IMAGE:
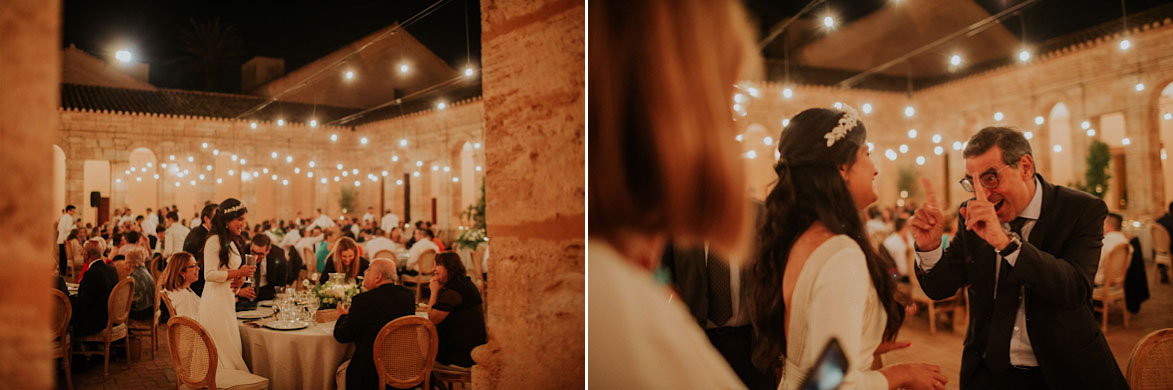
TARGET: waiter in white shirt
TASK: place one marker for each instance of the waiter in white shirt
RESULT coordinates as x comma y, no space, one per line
175,236
390,220
64,226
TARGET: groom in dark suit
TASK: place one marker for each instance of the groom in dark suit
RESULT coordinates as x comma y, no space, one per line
1027,251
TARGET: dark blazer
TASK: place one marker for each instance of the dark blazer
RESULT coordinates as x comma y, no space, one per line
93,294
1053,273
296,264
690,275
276,273
194,244
369,312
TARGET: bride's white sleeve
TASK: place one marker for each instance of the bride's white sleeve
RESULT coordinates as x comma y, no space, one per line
837,305
212,271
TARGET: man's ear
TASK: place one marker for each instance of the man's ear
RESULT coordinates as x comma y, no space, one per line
1028,164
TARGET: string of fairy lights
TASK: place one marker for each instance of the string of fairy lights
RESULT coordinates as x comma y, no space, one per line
747,92
178,170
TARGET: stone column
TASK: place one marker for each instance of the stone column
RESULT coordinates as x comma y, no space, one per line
533,68
30,73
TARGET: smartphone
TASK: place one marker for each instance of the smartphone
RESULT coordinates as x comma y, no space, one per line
829,369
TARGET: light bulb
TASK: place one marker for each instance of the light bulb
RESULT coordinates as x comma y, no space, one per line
936,138
1057,148
938,150
787,93
313,123
1028,134
253,125
333,137
1125,44
280,122
867,108
828,21
890,154
1023,55
1039,120
955,60
920,160
912,133
909,111
998,116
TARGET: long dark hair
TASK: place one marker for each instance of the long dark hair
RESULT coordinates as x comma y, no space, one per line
228,210
809,189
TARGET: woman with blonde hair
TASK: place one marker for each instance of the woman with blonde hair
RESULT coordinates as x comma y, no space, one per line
663,165
346,257
175,282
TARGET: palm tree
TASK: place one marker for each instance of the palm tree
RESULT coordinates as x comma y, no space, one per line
209,48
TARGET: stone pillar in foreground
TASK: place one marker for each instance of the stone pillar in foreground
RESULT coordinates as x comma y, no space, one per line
30,71
534,98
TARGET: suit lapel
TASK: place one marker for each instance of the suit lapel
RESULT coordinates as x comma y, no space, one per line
1038,233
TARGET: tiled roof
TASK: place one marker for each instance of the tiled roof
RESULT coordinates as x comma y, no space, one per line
192,103
422,102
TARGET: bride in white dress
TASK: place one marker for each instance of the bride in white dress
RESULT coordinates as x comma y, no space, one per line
818,277
222,265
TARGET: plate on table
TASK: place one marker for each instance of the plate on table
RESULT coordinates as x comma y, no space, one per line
266,303
254,314
287,325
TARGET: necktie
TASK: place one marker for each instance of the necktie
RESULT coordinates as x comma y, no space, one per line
720,306
1005,311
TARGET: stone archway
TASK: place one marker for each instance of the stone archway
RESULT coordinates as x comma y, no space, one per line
1164,128
1058,122
142,181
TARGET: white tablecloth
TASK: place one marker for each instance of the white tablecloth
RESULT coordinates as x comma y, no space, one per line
295,359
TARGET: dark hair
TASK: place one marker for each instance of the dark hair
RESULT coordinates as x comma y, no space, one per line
69,208
208,212
138,218
429,233
809,189
899,224
451,262
160,229
1170,207
220,226
132,237
1013,144
262,240
174,216
1115,221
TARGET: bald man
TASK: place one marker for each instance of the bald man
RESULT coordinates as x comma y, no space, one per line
383,302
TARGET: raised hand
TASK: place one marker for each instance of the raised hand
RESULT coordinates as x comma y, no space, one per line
928,225
982,219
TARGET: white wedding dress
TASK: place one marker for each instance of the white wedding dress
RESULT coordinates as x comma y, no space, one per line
218,305
834,297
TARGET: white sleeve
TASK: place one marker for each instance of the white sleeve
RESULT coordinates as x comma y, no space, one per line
212,271
836,309
926,260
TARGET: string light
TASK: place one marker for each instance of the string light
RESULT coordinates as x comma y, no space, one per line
998,116
310,174
242,161
265,171
890,154
956,145
786,122
1126,141
867,108
912,133
205,145
339,166
955,60
280,122
419,163
354,171
920,160
190,159
363,140
478,144
297,170
171,157
403,68
399,182
285,182
435,168
768,140
384,173
119,180
313,123
903,148
1139,87
787,93
828,21
1085,125
219,181
350,75
1125,44
216,152
403,142
231,173
208,167
441,105
253,125
447,169
274,177
1023,55
753,91
478,168
394,158
1039,120
323,180
468,72
909,111
838,105
938,150
936,138
871,147
1028,134
288,159
312,163
416,173
333,137
1057,148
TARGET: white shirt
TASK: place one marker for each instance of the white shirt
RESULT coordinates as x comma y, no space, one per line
1111,240
291,238
1021,352
379,244
323,221
413,255
876,226
368,217
64,226
195,222
150,223
898,249
174,237
389,221
307,243
185,302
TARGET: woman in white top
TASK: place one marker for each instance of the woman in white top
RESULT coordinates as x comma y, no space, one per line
818,276
663,165
183,270
222,267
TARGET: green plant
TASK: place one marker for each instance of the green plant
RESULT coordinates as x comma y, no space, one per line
906,181
475,234
1096,178
347,198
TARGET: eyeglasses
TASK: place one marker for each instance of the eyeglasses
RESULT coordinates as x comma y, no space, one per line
190,267
988,180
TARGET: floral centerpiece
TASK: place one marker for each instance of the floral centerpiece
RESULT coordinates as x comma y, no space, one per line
333,292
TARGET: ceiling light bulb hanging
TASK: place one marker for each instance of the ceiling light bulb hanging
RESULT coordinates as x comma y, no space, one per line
1023,55
955,60
1125,44
909,111
828,21
280,122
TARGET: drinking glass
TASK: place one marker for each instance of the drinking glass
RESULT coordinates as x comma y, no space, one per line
249,260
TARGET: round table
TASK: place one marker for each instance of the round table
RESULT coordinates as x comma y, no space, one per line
295,359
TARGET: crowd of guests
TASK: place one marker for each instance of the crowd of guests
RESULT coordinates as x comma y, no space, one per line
201,274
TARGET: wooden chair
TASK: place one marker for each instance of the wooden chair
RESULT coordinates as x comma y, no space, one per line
144,328
61,347
451,375
405,351
117,311
1161,253
1112,291
957,304
427,267
194,355
167,303
1151,364
310,260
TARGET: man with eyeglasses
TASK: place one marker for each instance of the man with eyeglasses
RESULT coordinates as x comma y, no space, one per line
1027,251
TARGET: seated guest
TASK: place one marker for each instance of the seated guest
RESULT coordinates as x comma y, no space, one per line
382,302
423,242
379,242
345,259
129,240
456,309
1112,238
295,266
183,270
93,294
324,249
419,225
142,306
396,235
273,270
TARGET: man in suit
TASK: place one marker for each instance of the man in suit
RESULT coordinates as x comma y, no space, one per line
719,300
93,294
1027,250
273,271
194,243
359,323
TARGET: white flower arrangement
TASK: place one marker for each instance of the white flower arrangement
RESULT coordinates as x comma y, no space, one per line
849,120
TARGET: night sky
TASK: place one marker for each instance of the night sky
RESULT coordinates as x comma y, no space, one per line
298,31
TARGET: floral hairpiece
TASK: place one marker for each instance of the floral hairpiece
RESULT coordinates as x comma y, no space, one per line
241,207
849,120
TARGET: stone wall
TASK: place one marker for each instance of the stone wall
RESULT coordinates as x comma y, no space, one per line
28,123
534,60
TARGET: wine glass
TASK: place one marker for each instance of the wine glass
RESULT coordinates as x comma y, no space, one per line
249,259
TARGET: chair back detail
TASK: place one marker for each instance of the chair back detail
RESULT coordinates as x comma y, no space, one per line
405,351
427,262
63,310
384,254
192,352
1116,266
167,302
1151,363
1160,240
118,307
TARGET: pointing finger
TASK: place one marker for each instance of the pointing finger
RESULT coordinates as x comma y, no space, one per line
980,192
930,196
